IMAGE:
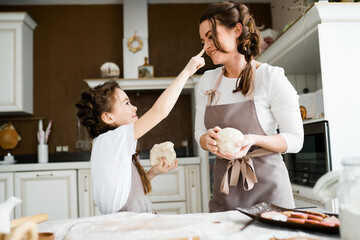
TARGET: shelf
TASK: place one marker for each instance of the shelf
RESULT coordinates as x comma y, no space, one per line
297,49
314,120
144,83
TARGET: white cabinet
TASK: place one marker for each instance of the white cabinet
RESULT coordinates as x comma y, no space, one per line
324,43
51,192
169,187
87,206
177,191
16,63
6,186
193,193
304,197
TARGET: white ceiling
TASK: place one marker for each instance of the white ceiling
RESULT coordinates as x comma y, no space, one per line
87,2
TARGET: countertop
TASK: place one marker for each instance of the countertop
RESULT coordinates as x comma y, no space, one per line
127,225
71,165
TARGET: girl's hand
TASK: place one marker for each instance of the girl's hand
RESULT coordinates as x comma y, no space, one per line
195,63
245,145
162,167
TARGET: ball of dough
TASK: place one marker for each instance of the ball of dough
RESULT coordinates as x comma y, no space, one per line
228,139
165,149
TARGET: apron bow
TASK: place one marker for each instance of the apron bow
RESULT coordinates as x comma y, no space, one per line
246,167
211,93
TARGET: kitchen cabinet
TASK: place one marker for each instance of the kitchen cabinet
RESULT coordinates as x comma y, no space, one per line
323,43
51,192
304,197
193,199
6,188
64,190
87,207
169,187
16,63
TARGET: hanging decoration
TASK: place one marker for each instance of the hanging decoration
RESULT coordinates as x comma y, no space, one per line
132,40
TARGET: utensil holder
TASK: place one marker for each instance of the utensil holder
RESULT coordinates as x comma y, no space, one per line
43,153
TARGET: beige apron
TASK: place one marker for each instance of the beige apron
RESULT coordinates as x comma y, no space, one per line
260,176
137,200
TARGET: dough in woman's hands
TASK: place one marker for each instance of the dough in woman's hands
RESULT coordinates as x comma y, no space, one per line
165,149
228,139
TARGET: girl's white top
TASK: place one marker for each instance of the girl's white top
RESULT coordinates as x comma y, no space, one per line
276,103
111,159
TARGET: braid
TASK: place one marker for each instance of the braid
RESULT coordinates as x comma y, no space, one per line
144,179
248,46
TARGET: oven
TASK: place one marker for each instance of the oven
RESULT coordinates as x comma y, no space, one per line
313,161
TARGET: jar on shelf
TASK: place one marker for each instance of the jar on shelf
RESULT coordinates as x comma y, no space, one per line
348,195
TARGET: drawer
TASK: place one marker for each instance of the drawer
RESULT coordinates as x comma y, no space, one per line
169,186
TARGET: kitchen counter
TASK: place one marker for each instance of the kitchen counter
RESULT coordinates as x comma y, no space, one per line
126,225
76,165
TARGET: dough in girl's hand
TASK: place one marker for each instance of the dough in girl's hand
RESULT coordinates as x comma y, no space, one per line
228,139
165,149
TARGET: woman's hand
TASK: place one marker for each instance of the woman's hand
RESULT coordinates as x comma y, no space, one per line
245,145
210,140
195,63
162,167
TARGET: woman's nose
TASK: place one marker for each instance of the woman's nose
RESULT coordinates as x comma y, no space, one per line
207,45
135,109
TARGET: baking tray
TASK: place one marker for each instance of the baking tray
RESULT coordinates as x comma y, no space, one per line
255,211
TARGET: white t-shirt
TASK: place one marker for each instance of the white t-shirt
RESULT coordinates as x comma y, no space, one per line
276,102
111,159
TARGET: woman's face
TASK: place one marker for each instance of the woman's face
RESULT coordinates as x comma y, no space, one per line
226,39
123,112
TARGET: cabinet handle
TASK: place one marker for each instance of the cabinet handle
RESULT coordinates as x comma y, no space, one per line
45,175
296,192
85,183
192,179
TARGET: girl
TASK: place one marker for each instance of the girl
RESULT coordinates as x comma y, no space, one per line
119,181
253,97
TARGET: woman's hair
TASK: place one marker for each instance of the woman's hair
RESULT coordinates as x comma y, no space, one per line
94,102
228,14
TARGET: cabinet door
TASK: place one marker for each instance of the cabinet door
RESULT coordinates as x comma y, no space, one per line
304,197
193,198
51,192
87,206
16,64
304,202
6,186
169,186
170,208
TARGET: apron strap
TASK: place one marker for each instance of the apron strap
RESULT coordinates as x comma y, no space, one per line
214,92
246,167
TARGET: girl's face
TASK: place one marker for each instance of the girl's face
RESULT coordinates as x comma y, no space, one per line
122,111
227,40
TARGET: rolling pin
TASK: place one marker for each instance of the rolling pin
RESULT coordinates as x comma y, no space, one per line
35,218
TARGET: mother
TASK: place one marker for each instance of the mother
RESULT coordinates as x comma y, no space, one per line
255,98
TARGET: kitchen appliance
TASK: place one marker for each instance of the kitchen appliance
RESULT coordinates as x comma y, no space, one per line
314,159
